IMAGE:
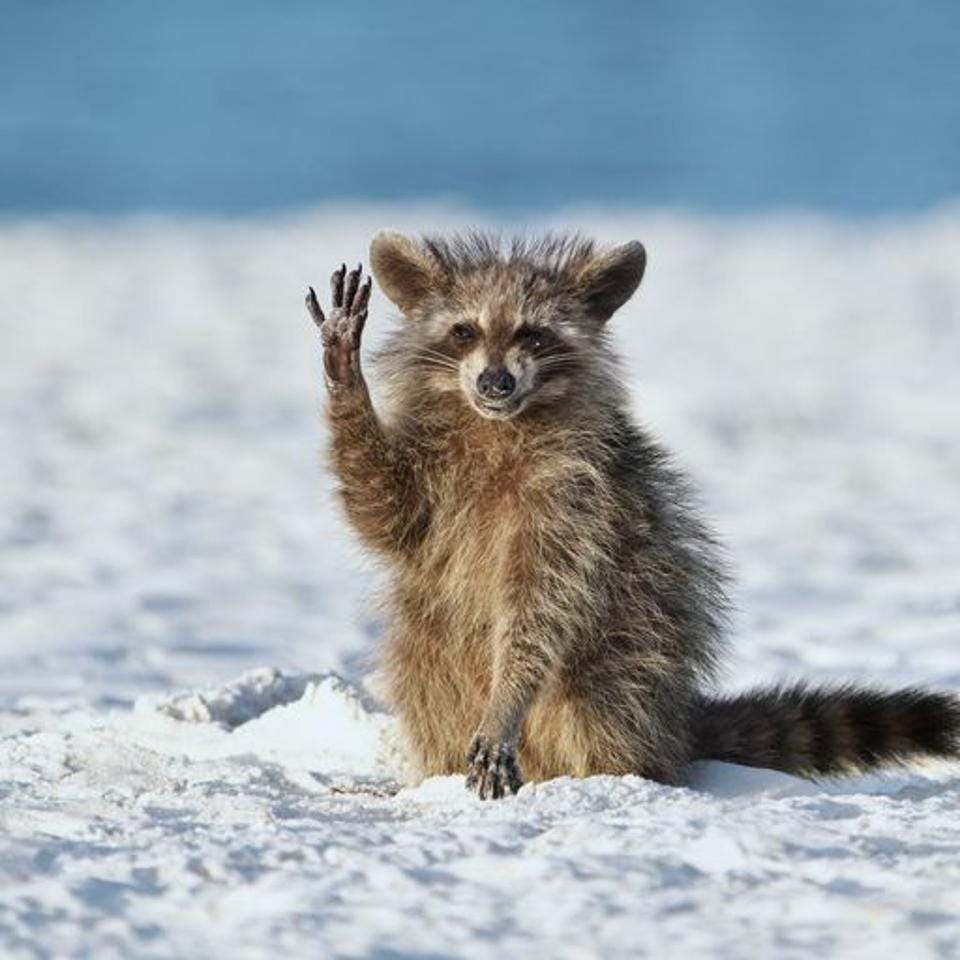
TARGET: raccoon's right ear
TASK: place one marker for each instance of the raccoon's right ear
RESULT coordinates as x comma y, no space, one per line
609,280
403,269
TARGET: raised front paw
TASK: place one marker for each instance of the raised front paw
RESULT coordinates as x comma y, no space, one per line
492,768
342,329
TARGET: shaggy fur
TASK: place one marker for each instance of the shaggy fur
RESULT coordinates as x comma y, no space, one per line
557,606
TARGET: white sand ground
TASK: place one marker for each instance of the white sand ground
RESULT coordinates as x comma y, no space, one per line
165,528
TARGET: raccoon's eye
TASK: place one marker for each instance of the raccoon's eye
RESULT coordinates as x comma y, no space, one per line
530,337
462,332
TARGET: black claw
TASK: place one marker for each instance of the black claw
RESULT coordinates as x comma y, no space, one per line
353,282
336,285
363,297
313,306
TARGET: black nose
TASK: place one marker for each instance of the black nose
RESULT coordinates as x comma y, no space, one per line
495,383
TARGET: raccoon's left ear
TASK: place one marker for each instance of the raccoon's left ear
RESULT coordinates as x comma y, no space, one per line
403,270
609,280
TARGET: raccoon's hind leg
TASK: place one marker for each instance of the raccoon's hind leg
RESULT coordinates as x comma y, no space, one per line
604,726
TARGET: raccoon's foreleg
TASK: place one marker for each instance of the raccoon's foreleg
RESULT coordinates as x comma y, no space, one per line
342,330
551,599
376,475
519,671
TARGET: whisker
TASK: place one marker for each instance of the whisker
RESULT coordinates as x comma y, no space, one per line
552,363
436,360
422,348
435,353
558,355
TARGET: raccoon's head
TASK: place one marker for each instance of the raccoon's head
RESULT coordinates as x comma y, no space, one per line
507,329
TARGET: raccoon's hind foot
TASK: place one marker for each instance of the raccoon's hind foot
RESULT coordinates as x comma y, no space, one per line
492,768
342,329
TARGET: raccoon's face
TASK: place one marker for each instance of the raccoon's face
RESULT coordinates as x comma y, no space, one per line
507,333
504,355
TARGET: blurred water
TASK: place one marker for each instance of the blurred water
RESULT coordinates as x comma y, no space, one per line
115,105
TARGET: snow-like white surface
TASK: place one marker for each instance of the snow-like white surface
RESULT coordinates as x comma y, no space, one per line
184,773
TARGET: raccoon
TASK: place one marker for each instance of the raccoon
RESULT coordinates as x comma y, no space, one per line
557,605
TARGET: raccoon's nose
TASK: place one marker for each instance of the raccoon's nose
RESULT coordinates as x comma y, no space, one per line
495,383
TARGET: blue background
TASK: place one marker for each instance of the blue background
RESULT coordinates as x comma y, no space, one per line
232,107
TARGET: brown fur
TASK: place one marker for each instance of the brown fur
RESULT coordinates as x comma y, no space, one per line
553,591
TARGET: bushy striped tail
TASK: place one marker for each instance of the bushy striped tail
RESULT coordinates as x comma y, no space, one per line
825,732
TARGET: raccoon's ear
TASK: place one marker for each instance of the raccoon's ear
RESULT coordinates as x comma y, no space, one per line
609,280
402,268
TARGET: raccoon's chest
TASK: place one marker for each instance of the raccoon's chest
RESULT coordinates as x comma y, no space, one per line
476,523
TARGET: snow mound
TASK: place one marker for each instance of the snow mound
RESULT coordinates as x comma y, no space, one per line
317,722
240,701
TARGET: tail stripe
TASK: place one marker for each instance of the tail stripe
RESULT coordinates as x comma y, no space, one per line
870,723
825,728
821,732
